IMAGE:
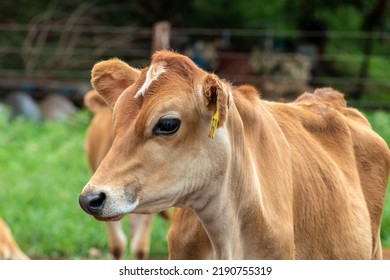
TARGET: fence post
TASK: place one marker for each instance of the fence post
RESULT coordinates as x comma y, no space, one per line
161,36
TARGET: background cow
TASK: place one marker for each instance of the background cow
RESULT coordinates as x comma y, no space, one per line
9,249
56,107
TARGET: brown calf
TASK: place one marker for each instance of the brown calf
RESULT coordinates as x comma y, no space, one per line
303,180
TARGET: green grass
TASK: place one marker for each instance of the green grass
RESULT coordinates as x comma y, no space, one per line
42,171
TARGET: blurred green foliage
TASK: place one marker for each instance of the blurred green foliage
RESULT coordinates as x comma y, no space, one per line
338,15
355,63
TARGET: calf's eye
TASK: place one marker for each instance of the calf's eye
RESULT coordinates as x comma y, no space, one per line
166,126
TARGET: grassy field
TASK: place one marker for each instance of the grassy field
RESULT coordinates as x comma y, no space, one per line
42,171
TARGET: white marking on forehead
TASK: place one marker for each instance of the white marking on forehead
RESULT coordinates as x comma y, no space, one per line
154,71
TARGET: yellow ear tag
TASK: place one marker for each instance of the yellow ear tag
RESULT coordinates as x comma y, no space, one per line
214,125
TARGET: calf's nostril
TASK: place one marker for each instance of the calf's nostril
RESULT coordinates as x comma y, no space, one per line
97,200
92,203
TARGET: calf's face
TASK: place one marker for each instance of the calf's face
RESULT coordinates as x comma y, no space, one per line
161,155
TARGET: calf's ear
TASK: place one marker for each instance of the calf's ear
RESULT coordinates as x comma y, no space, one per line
94,101
111,77
218,96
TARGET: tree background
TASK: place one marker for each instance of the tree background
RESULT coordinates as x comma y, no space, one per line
354,31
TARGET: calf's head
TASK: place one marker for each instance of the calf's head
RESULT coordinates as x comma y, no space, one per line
161,155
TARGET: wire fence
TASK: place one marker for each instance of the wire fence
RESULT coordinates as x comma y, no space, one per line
281,63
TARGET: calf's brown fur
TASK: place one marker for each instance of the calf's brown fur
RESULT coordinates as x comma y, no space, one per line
303,180
98,142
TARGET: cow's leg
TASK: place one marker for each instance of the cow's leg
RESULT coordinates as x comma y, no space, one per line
19,254
140,229
9,249
377,252
116,239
